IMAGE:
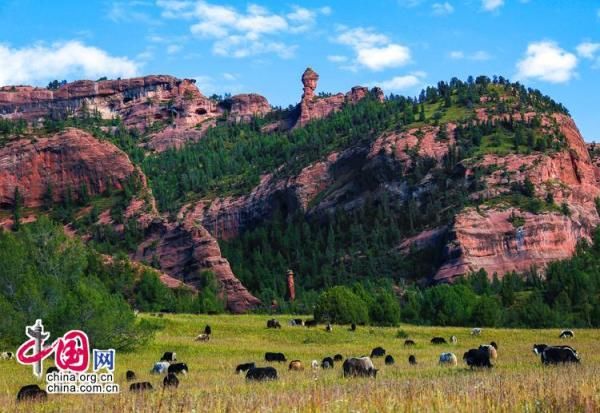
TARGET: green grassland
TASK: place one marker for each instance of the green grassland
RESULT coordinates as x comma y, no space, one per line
518,382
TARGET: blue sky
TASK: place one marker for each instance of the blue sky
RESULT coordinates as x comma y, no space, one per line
263,46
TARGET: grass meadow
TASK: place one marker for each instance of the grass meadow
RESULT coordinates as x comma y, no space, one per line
518,382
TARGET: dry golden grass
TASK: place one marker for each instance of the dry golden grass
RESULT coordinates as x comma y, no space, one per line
517,383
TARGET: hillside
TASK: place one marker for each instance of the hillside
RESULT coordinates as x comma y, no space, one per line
480,174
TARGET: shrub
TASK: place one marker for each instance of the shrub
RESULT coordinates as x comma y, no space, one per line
340,305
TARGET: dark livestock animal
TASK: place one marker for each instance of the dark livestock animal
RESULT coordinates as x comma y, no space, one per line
327,363
310,323
412,360
207,330
140,386
389,360
477,357
378,352
130,375
559,354
244,367
31,392
279,357
409,343
178,368
52,369
171,380
353,327
261,373
438,340
539,348
169,356
359,367
272,323
338,357
566,334
298,322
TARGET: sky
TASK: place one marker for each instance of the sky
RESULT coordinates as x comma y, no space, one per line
264,46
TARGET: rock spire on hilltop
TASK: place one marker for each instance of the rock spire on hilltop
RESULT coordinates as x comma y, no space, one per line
313,107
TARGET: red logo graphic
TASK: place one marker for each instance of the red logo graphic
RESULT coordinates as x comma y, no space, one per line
71,351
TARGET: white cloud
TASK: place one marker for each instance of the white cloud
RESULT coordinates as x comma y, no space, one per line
229,76
588,49
479,55
127,12
546,61
39,63
243,33
398,83
410,3
491,5
373,50
337,58
442,9
173,49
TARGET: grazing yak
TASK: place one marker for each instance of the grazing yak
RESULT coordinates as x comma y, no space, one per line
296,322
170,380
378,352
130,375
261,373
556,354
160,367
52,369
273,323
453,339
202,337
477,357
244,367
447,359
438,340
409,342
296,365
178,368
329,328
314,364
31,392
279,357
353,327
359,367
491,350
6,355
566,334
412,360
207,330
476,331
169,356
310,323
338,357
140,386
327,363
389,360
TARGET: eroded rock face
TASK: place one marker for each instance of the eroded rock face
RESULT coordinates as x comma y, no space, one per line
313,107
494,240
68,160
74,158
141,102
184,250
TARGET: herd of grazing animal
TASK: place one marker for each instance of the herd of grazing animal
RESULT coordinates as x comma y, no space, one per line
172,369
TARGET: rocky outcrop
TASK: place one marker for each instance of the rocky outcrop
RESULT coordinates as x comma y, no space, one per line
175,106
506,239
72,159
66,161
313,107
184,250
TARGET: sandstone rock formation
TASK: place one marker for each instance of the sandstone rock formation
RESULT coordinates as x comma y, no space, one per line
73,158
176,104
65,161
314,107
